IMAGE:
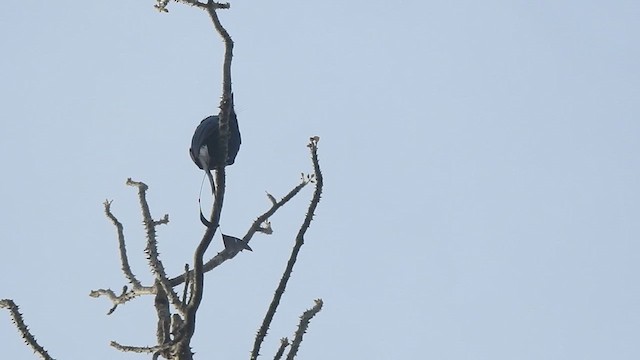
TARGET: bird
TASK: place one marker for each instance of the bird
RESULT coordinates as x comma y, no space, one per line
205,144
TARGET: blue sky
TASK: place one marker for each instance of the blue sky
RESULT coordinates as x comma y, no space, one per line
480,159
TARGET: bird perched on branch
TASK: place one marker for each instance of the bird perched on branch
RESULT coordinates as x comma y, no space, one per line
205,143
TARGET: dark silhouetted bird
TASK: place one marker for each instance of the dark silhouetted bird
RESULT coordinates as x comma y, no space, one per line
205,144
205,151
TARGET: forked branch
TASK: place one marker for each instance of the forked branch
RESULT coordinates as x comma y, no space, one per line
268,318
261,224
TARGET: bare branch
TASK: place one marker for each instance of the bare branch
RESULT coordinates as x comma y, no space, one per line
136,349
284,342
262,332
161,303
261,224
198,271
152,246
23,329
163,221
302,328
161,5
151,251
171,350
126,268
258,226
124,297
228,48
187,284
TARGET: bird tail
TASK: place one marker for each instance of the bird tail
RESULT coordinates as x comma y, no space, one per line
233,243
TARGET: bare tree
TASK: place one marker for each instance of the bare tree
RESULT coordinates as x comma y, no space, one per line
176,310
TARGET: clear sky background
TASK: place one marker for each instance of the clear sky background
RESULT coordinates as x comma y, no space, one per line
481,161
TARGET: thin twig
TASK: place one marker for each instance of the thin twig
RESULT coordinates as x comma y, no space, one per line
161,5
302,328
284,342
124,297
23,329
126,268
136,349
228,45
